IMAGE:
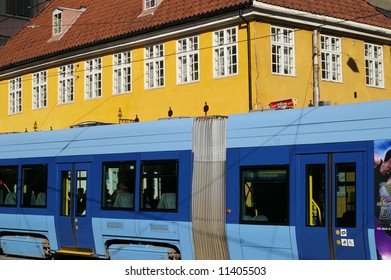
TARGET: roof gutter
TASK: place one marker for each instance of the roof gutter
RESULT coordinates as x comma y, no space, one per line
325,22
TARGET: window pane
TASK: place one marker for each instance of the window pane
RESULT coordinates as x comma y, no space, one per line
316,177
118,185
34,182
8,185
346,195
265,195
159,185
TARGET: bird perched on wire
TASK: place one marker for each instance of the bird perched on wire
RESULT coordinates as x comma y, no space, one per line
206,108
170,112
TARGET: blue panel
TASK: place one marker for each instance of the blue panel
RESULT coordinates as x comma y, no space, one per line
138,252
328,124
267,242
33,222
8,221
118,227
164,135
23,246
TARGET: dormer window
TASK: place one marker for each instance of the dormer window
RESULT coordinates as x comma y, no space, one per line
63,19
57,22
150,4
149,7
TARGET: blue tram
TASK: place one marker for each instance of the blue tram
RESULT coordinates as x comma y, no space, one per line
307,183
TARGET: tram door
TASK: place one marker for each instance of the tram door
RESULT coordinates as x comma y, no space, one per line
73,222
330,205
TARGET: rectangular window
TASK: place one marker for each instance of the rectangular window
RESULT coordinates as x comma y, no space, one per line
374,65
57,22
283,51
66,84
331,58
122,72
119,181
34,182
159,185
8,185
154,66
265,195
40,90
187,60
93,78
150,4
346,194
15,96
316,195
225,50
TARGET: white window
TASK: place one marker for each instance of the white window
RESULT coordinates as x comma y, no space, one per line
66,84
330,48
187,60
122,72
93,78
15,96
283,51
374,65
225,50
40,90
57,22
150,4
154,66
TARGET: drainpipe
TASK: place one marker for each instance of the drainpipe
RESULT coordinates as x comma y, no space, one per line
315,67
250,90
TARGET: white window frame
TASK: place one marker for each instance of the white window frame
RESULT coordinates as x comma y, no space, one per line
66,83
331,58
40,89
93,78
374,71
225,52
122,72
15,96
188,69
283,50
154,66
57,22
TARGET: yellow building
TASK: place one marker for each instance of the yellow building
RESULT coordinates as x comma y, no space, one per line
111,61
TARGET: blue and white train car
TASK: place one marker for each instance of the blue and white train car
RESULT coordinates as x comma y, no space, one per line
307,183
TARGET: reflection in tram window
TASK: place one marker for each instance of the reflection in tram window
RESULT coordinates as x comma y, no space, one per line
159,185
34,182
8,185
65,192
264,195
316,195
81,193
118,185
346,194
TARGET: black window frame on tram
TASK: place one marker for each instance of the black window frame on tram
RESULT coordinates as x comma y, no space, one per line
159,185
264,194
119,192
34,185
9,185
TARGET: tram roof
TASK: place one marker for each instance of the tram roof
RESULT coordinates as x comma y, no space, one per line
313,125
162,135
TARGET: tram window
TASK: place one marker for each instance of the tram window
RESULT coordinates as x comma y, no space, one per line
315,180
265,195
8,185
346,194
34,185
159,185
118,185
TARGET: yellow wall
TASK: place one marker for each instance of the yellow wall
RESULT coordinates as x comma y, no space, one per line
224,96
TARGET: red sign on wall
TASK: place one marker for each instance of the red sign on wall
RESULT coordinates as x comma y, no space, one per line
283,104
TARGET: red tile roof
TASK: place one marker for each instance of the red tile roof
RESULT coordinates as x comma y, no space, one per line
105,19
